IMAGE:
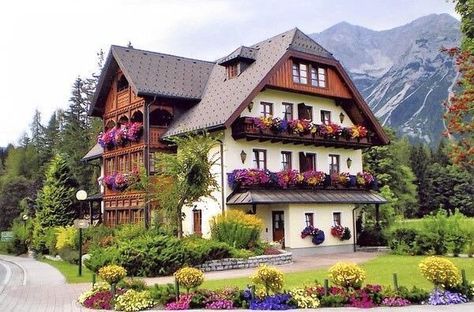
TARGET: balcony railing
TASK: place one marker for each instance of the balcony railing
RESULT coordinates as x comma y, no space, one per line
250,129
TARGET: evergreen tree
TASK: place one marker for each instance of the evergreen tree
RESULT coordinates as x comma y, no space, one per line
420,161
12,191
55,201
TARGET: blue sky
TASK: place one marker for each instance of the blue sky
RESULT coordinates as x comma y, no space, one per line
46,44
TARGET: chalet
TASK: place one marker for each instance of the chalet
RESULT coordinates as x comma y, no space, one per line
292,123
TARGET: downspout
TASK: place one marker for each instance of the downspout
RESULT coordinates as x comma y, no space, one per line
221,143
147,159
354,227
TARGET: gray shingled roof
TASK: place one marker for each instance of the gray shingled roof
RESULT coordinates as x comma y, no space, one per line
95,152
304,196
241,52
223,96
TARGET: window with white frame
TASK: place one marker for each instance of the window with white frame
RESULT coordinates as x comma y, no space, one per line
336,218
260,158
309,219
286,160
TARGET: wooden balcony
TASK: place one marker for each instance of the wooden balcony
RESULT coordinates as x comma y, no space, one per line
156,133
244,127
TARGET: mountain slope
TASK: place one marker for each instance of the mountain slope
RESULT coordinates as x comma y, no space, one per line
401,72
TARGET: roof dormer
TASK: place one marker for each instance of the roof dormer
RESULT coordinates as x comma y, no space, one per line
236,62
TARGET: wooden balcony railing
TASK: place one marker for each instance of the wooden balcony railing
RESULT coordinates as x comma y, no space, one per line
245,127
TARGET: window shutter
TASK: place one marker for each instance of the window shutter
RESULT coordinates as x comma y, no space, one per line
302,162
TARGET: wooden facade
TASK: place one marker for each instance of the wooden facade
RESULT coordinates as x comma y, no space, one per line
124,106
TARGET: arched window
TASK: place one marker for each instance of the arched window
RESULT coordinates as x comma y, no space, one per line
110,124
123,120
122,83
137,116
160,117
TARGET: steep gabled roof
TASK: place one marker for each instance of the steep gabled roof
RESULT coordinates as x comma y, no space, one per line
151,73
241,53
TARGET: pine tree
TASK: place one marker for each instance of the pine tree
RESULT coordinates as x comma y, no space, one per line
55,201
420,161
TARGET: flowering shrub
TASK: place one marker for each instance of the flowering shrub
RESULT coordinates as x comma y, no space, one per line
318,235
275,302
444,297
395,302
181,304
119,136
270,278
289,178
189,278
347,274
95,289
134,300
112,274
440,271
301,298
342,233
220,304
120,181
365,178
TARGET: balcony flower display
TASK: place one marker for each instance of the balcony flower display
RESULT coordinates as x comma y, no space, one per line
288,178
300,126
340,179
365,179
314,178
249,177
120,181
119,136
357,132
340,232
263,123
330,130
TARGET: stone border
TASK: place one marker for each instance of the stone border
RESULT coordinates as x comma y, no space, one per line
241,263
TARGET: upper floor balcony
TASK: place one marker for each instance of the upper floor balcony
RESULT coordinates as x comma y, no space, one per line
301,132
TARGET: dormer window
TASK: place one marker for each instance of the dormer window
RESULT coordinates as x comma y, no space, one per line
232,71
309,74
122,83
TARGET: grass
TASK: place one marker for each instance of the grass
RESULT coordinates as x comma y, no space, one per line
70,271
379,271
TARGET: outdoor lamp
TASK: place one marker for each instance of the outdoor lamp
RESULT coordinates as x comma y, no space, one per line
349,162
250,106
243,156
81,195
341,117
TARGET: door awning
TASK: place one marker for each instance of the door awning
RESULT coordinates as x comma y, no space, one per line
293,196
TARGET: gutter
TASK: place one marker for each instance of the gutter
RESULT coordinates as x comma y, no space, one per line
221,143
354,227
147,158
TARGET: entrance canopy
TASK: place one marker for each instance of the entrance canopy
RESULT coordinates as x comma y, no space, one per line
249,197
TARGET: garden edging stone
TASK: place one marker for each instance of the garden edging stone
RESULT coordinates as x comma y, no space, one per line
241,263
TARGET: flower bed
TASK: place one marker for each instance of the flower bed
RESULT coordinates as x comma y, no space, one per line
303,127
291,178
121,135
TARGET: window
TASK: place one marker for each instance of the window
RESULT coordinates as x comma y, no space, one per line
286,160
300,73
307,162
309,219
197,221
336,217
288,111
325,117
333,164
260,158
232,71
305,111
317,75
296,73
267,109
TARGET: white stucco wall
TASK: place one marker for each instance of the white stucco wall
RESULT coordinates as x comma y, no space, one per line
294,213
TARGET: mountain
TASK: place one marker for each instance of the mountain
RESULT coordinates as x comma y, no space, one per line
401,72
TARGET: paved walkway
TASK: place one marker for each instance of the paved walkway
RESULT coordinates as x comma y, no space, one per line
30,285
299,264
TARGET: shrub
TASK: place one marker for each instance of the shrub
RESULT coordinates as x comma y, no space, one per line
133,300
303,299
19,244
101,257
181,304
241,253
402,240
132,283
206,249
270,278
95,289
129,231
162,294
441,272
332,301
371,237
101,300
69,255
236,228
50,240
347,275
189,278
415,295
112,274
66,237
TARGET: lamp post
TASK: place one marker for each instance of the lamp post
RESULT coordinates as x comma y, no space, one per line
25,218
81,195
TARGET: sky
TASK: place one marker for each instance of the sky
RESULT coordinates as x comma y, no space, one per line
45,45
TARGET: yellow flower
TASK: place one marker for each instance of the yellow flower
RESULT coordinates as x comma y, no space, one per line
347,274
440,271
189,277
112,274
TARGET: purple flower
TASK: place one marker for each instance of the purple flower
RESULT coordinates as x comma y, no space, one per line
220,304
275,302
445,297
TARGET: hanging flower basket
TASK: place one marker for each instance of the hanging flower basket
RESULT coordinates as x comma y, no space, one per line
340,232
317,234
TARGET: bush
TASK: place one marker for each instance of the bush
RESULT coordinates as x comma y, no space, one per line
206,249
402,240
99,258
189,278
415,295
132,283
95,289
236,228
19,244
127,232
346,274
67,237
333,301
268,277
133,300
162,294
441,272
69,255
50,240
112,274
241,253
371,237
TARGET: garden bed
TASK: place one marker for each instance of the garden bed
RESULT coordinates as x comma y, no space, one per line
241,263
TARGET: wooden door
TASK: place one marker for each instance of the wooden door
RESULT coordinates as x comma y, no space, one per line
278,225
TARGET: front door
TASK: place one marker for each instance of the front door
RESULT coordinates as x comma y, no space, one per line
278,225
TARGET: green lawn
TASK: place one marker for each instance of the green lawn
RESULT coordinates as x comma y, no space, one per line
70,271
379,271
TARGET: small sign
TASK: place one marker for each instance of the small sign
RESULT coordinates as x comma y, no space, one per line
7,236
81,223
